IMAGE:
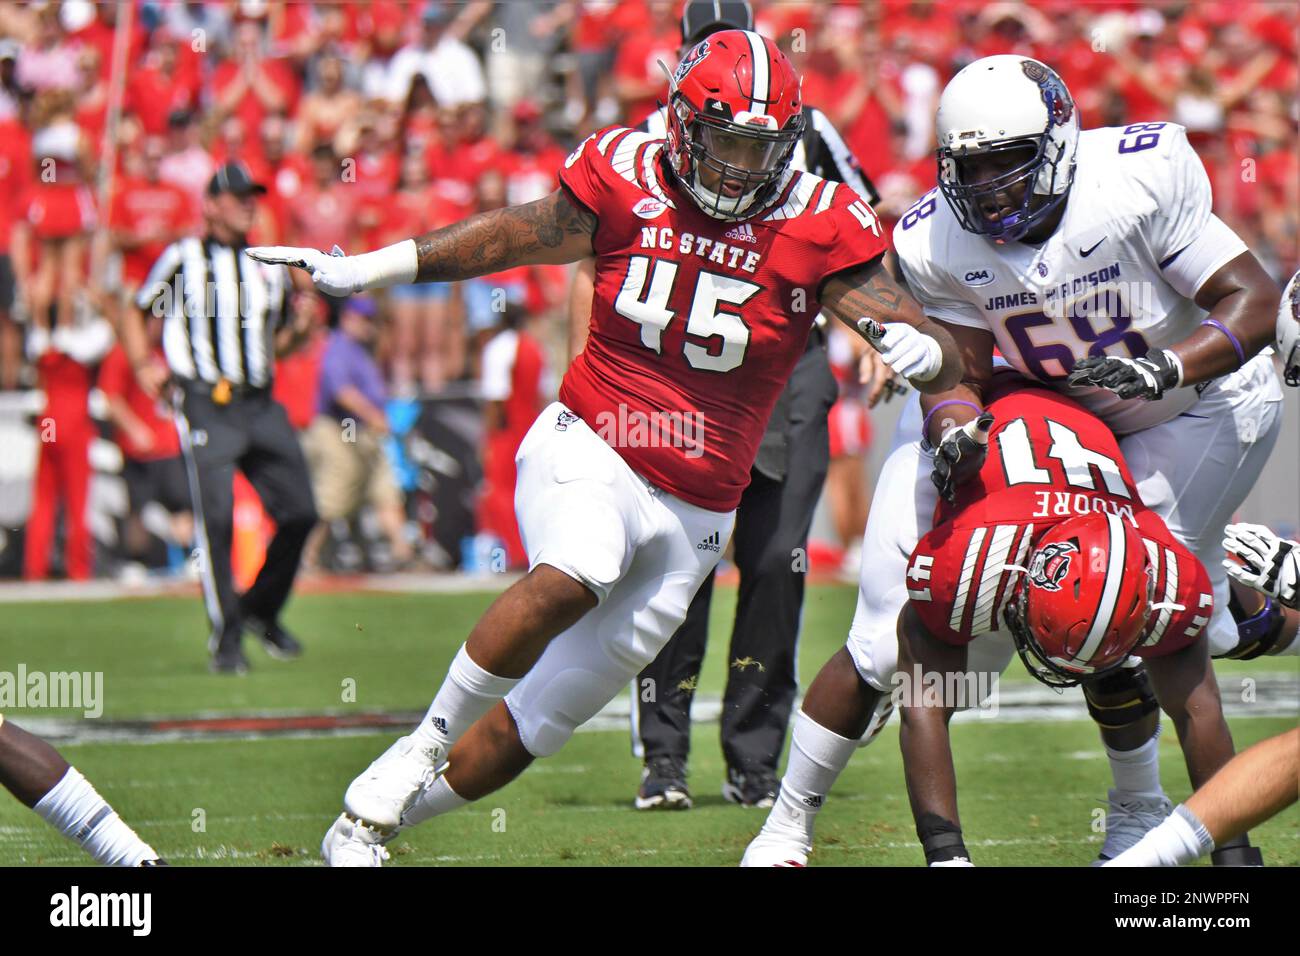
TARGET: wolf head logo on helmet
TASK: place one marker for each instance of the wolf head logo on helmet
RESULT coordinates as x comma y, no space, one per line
1085,601
735,113
1288,332
1050,564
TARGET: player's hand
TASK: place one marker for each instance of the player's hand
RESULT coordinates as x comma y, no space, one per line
961,454
1147,377
881,380
908,351
334,274
1266,562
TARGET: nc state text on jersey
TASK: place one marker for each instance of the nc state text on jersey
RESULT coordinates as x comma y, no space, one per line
721,253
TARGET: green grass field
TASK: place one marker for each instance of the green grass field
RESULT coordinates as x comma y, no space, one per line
1028,790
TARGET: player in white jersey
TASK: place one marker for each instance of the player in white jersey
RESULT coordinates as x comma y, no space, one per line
1088,259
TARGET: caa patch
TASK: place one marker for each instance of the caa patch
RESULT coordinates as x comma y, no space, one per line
1050,564
691,60
648,208
978,277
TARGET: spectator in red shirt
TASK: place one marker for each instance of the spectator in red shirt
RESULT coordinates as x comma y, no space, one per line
15,175
56,215
639,81
512,372
531,164
152,467
422,311
148,214
250,86
187,163
324,213
167,79
65,360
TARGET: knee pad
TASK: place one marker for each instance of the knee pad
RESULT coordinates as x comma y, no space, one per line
548,708
1257,633
1120,699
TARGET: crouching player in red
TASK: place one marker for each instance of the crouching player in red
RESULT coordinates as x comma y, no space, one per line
713,257
1048,551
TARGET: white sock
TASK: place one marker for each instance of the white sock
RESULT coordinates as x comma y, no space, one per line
1137,771
817,757
467,693
1178,840
435,801
76,810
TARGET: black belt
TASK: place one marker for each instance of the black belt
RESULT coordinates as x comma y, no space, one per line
224,390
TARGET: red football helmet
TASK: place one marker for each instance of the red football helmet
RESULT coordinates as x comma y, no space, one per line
735,113
1083,603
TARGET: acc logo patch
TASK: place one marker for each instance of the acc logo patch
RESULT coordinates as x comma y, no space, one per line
691,60
648,208
977,277
1050,564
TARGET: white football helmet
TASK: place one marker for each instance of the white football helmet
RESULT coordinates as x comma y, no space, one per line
1001,103
1288,332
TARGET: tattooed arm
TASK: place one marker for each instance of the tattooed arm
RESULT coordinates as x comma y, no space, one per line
552,230
868,292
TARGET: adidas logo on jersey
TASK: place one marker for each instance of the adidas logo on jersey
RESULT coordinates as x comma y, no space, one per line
742,233
712,543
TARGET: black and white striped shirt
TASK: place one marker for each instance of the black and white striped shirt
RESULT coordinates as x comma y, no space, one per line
220,311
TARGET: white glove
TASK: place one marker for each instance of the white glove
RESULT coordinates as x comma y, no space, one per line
334,274
1269,563
909,352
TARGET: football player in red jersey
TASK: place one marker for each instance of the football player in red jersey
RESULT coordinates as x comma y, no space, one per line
1050,539
713,258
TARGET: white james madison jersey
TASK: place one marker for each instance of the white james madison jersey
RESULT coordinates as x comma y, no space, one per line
1117,277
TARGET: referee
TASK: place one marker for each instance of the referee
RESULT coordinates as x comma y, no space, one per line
225,321
772,521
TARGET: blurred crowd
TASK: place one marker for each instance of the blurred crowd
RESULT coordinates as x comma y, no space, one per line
373,121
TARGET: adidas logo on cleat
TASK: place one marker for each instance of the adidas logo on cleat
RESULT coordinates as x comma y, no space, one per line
814,803
711,543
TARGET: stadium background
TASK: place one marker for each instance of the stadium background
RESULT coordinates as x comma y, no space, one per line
266,758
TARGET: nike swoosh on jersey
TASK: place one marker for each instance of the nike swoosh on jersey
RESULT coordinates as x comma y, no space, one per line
1087,252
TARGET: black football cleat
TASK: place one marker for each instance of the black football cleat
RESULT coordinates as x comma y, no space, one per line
278,642
229,659
663,785
754,789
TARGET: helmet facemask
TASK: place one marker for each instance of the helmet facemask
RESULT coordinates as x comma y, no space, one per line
745,152
1045,175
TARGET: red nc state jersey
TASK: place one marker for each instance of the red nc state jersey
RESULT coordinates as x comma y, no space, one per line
1049,459
696,323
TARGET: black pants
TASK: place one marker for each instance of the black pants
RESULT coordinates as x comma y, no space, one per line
771,523
251,433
